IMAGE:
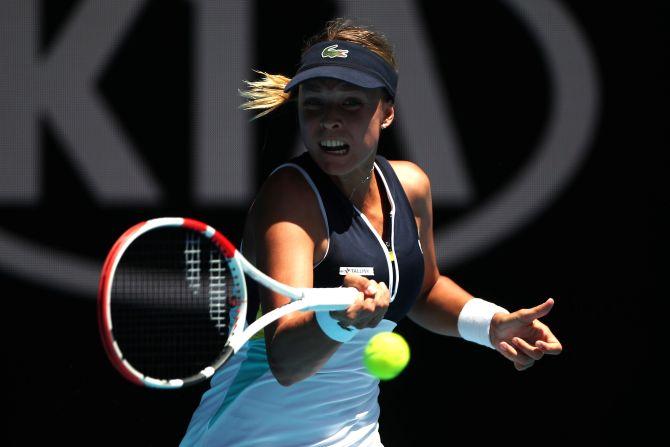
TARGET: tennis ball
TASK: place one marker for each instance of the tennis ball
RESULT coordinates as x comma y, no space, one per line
386,355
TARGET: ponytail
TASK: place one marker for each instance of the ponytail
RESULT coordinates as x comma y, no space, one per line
266,94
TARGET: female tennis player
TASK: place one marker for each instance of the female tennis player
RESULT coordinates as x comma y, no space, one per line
342,215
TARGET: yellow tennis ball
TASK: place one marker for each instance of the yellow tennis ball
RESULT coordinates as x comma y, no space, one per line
386,355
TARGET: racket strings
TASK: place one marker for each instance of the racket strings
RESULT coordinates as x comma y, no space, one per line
220,289
192,260
172,299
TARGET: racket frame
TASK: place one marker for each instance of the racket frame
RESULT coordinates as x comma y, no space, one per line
321,299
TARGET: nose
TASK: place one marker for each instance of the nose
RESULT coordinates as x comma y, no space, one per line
330,119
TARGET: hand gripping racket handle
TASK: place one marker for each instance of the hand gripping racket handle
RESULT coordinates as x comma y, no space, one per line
323,299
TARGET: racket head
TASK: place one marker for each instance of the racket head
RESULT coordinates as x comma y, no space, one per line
171,293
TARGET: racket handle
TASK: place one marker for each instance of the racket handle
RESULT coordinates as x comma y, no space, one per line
329,298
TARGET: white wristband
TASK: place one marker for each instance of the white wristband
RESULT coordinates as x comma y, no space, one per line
331,327
474,321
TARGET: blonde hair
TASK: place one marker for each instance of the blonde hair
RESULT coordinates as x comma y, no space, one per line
267,94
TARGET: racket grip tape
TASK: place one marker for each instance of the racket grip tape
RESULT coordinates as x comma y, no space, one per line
329,298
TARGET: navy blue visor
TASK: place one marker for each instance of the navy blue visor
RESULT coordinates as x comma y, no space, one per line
347,62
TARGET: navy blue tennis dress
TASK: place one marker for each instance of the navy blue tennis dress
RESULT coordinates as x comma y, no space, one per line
337,406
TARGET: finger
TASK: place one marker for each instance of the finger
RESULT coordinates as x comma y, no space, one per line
507,350
546,339
552,347
357,281
537,312
372,289
369,306
360,297
370,310
359,314
379,302
383,296
347,316
382,301
514,355
522,367
534,352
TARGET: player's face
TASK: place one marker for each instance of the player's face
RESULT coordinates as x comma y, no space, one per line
340,123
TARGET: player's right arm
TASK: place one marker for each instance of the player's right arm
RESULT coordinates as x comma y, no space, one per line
283,228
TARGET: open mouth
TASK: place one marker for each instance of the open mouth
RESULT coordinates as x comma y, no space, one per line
336,147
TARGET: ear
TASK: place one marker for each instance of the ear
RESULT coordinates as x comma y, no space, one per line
389,113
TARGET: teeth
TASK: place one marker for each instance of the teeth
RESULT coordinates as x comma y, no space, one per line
337,147
332,143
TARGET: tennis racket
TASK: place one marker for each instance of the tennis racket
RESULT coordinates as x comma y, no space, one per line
172,302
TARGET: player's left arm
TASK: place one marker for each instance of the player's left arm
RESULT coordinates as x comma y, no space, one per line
519,336
441,299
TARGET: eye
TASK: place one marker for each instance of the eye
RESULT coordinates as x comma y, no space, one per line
352,103
312,103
